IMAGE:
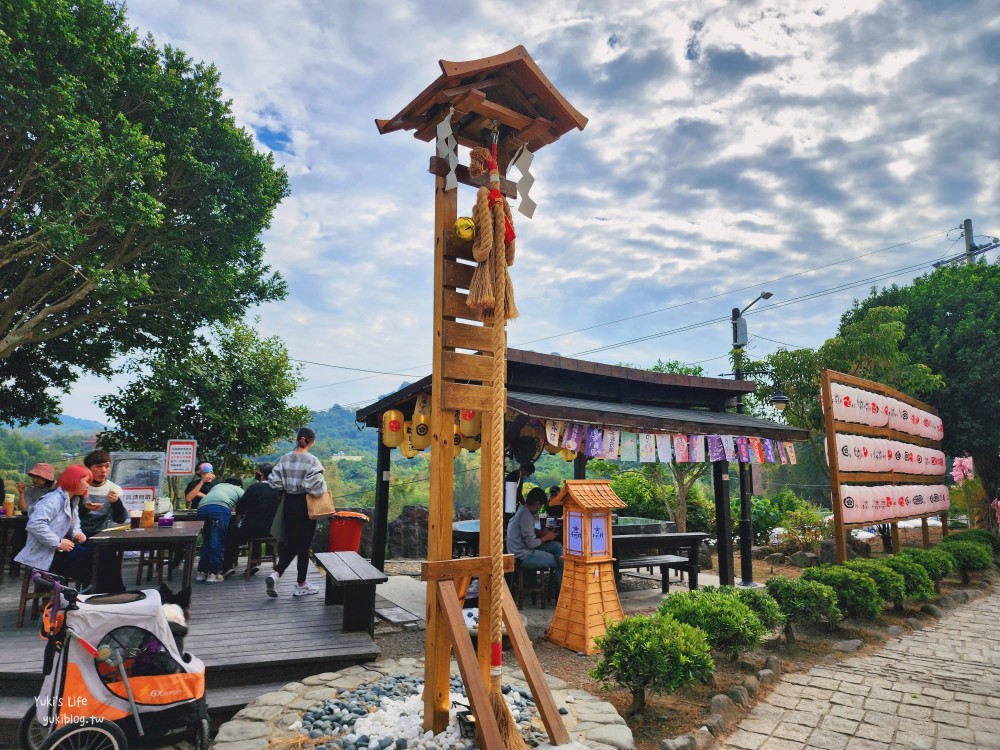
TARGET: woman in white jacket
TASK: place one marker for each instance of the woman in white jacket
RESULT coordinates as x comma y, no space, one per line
54,523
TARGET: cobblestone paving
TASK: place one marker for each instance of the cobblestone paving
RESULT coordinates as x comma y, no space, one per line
933,689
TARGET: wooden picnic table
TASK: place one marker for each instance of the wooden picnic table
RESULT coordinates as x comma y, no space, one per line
631,548
183,535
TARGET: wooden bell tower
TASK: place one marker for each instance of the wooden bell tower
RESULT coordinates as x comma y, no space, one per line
504,100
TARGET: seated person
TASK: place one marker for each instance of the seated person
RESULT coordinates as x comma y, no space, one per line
254,516
54,524
201,485
534,550
103,503
216,510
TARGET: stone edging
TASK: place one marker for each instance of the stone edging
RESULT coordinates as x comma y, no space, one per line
265,722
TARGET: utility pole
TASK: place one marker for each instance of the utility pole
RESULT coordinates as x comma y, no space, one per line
969,244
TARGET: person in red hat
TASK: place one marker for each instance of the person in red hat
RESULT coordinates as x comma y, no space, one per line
42,477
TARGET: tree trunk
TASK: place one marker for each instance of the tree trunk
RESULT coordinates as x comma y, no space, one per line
638,702
988,469
789,633
681,514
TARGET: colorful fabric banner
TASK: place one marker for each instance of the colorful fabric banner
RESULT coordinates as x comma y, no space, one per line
681,449
647,447
756,451
553,430
729,446
769,451
573,437
781,451
743,449
790,450
715,450
696,449
595,441
664,449
629,449
612,439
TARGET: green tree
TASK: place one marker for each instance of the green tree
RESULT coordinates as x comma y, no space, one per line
953,327
232,395
130,202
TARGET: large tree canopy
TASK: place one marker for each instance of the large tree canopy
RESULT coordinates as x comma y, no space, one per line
232,395
953,326
130,202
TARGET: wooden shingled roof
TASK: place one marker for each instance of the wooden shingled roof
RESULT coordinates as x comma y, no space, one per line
508,89
591,494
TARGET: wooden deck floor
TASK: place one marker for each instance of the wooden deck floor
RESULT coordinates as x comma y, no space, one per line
243,636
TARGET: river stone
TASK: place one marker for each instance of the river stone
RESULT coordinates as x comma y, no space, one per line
260,713
277,698
895,630
848,647
716,725
914,623
724,706
751,684
932,610
773,663
616,735
802,559
238,731
766,677
758,553
775,558
739,695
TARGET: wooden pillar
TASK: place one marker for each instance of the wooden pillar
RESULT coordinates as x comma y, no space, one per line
486,521
580,466
944,525
380,518
925,533
723,524
894,532
833,461
442,481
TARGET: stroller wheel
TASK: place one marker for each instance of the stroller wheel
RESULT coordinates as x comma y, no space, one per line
89,734
203,734
31,732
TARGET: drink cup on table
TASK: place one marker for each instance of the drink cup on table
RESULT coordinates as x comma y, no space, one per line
135,518
8,506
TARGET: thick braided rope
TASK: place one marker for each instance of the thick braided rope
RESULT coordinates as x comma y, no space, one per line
499,342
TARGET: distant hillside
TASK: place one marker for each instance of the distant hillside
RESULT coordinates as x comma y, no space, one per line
336,432
70,425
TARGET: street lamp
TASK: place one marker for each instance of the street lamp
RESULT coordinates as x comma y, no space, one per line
746,524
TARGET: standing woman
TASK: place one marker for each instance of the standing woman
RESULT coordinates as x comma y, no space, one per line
296,474
54,524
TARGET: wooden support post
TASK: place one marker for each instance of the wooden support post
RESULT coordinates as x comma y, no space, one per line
925,533
944,525
442,480
894,532
486,522
833,461
380,518
723,523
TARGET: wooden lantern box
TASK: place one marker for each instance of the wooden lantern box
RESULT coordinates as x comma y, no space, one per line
588,586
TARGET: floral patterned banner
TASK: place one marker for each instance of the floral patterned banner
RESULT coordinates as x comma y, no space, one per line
769,451
781,451
729,446
647,447
696,449
664,448
595,442
743,449
629,449
681,449
612,439
573,437
716,452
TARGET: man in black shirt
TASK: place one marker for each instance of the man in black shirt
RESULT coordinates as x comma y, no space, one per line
254,514
201,485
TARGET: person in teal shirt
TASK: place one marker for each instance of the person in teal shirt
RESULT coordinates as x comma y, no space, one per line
215,510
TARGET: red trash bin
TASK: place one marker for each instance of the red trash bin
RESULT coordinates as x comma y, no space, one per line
345,531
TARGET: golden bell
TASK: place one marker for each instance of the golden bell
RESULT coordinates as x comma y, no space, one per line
392,428
470,422
567,454
406,447
420,436
465,228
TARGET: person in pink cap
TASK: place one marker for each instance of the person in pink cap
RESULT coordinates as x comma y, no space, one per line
43,478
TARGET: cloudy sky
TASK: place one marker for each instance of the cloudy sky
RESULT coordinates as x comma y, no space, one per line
810,149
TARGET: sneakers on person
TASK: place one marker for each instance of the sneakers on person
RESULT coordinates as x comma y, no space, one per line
201,577
306,589
270,582
214,578
228,573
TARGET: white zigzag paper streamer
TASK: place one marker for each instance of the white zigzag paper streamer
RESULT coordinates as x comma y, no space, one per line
522,161
446,150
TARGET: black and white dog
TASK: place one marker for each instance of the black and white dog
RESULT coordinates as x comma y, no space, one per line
176,609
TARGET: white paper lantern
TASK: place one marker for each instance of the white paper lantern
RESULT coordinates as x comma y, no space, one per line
850,503
880,410
896,419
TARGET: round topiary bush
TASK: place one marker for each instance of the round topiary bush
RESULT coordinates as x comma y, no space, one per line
918,583
891,585
857,594
656,653
761,604
803,602
731,626
982,536
937,562
970,557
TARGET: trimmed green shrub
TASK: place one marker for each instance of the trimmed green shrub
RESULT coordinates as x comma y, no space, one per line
761,604
937,562
970,557
891,585
982,536
857,594
918,583
804,529
803,602
657,653
731,626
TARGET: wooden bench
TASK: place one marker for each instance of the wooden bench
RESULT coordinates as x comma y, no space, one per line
350,581
664,563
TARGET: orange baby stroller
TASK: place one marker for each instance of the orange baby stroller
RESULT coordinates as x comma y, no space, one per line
112,672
